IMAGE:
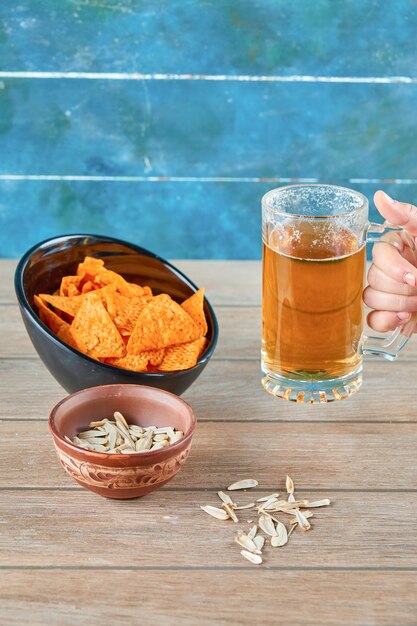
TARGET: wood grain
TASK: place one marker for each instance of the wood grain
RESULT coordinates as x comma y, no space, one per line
229,391
358,565
318,456
207,598
168,529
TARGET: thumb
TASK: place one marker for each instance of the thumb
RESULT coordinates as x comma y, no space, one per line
398,213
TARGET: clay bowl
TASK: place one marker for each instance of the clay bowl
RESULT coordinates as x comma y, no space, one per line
40,271
121,476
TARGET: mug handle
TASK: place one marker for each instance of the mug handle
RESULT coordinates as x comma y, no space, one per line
389,347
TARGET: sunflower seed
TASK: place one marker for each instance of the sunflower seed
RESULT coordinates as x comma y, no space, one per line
266,498
100,423
165,430
144,444
269,503
98,448
215,512
161,437
266,524
83,443
293,527
248,483
245,506
96,440
307,515
116,436
317,503
120,419
67,438
112,434
176,436
253,558
252,532
229,510
247,543
287,507
135,429
302,520
225,498
159,445
259,541
282,536
92,433
289,485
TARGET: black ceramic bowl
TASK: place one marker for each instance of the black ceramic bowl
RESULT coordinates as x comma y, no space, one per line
40,271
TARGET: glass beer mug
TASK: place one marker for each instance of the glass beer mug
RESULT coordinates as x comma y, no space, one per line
314,261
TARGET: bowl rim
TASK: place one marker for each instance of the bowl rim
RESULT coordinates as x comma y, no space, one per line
23,301
118,456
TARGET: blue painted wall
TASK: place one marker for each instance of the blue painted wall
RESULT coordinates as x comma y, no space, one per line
177,163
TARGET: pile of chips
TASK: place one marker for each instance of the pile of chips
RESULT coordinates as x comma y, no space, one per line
102,315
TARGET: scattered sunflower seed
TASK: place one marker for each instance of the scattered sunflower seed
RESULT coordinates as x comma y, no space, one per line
302,520
248,483
266,524
266,498
281,536
245,506
215,512
253,558
318,503
259,541
269,503
289,484
229,510
277,531
225,498
293,527
307,515
252,532
247,543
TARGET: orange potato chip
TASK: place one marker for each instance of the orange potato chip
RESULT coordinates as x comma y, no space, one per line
155,357
88,286
139,362
48,317
68,305
100,313
65,333
162,323
125,311
194,306
137,290
90,266
69,283
134,362
71,304
108,277
184,356
93,328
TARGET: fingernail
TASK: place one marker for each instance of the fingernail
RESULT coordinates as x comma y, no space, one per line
410,279
403,316
388,198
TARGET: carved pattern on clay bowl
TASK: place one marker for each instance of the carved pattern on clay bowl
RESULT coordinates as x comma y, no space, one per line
122,477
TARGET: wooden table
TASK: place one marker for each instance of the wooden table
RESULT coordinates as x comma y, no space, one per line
69,556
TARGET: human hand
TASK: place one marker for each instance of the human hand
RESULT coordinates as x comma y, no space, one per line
392,277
